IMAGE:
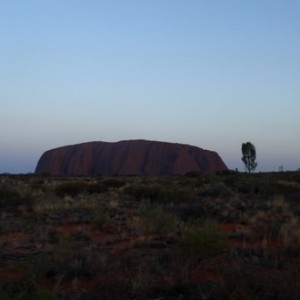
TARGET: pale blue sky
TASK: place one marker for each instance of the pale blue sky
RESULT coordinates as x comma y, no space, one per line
213,74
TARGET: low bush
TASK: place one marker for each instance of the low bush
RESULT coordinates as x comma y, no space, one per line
9,196
101,218
113,183
25,291
160,193
70,189
155,220
143,191
217,189
194,174
75,188
96,188
203,240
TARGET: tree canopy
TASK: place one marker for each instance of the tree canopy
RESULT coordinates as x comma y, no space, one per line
249,156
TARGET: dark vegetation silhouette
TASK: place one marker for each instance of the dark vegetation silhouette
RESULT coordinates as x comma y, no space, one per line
226,235
249,156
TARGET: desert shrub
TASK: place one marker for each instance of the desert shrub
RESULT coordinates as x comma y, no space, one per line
154,219
37,183
75,188
216,189
18,291
33,268
287,186
176,195
266,230
289,232
101,218
46,174
113,183
253,284
203,240
161,193
9,196
288,176
263,185
143,191
194,174
42,294
96,188
70,189
228,172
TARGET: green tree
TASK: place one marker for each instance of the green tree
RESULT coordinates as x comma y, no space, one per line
249,156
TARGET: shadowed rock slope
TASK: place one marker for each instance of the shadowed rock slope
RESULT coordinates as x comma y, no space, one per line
133,157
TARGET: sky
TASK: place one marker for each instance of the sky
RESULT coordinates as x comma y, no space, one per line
212,74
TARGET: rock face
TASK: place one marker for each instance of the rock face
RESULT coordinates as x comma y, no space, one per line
133,157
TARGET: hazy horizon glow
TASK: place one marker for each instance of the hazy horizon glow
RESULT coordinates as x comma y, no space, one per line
213,74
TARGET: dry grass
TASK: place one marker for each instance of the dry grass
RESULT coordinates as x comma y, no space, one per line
149,238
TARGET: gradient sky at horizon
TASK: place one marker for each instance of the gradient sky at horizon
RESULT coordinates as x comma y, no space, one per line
213,74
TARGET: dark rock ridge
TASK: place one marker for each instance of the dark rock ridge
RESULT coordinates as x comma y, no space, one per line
132,157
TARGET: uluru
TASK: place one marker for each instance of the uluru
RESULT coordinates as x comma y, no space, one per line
129,157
